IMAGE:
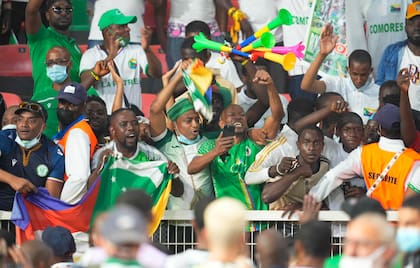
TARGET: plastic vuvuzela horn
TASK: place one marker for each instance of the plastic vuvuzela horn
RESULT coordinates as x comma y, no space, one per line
296,49
288,60
201,42
267,41
283,18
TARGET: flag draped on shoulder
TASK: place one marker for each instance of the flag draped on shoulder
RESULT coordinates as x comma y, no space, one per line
35,211
198,80
120,175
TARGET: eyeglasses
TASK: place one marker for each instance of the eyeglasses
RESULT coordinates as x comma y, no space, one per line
57,61
59,10
32,107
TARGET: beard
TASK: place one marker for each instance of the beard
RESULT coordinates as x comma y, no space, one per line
60,25
414,40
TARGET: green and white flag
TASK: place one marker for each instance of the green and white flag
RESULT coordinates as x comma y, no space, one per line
197,80
120,175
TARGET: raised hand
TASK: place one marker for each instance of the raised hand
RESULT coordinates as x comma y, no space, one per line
146,37
328,40
338,106
258,135
262,77
223,144
169,74
111,67
310,209
290,209
101,68
403,79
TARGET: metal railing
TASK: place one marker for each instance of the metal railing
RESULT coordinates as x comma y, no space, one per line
175,231
177,235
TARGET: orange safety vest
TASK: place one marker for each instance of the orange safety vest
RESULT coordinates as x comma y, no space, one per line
85,127
390,192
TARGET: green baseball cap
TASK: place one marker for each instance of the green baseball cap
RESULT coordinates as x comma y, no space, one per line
115,16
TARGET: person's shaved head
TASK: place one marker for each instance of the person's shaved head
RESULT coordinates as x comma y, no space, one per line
61,50
272,249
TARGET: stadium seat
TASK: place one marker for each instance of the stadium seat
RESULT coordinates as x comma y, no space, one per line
146,100
83,48
15,61
11,99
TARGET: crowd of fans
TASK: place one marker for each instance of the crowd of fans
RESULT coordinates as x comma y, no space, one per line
341,143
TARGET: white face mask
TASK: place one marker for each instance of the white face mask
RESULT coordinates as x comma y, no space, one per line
374,260
28,144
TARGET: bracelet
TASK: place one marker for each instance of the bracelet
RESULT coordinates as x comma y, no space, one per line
94,75
278,170
245,62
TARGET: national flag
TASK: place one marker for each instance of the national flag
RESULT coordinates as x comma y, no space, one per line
35,211
367,111
197,80
122,174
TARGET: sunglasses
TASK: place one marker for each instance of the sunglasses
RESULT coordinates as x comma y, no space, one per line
59,10
57,61
33,107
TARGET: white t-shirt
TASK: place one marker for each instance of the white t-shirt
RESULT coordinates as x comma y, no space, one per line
297,32
227,69
246,102
128,8
260,14
131,61
147,255
185,11
77,163
412,62
189,258
363,101
384,21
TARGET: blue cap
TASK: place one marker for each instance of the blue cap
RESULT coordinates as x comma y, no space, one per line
74,93
387,116
60,240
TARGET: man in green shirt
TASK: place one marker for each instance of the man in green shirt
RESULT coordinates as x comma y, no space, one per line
229,157
58,13
57,65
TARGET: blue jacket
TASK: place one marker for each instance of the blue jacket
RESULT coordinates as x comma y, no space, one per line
389,65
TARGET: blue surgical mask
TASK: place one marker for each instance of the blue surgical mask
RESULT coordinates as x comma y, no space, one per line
57,73
27,144
408,239
185,140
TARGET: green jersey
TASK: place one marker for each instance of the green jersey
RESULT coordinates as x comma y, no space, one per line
228,173
39,44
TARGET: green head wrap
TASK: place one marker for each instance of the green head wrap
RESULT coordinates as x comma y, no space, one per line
179,108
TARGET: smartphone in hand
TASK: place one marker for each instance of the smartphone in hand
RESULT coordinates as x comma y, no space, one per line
228,131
